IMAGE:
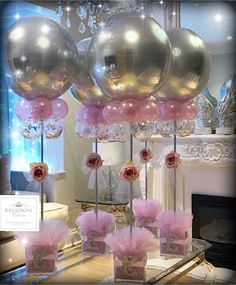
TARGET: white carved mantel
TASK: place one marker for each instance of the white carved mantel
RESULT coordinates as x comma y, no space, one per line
208,167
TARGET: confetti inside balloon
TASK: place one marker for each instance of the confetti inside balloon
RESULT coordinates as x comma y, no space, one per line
31,129
142,131
52,128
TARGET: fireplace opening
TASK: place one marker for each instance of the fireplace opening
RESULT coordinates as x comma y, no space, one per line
214,220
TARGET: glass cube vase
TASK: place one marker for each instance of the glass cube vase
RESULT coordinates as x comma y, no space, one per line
130,268
40,259
148,224
174,245
94,245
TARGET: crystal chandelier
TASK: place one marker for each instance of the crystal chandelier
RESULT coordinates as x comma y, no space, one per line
89,11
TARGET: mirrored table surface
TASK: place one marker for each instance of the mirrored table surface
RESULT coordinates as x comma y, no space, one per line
73,267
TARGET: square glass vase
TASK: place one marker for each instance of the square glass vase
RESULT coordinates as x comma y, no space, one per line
40,259
148,224
94,245
130,268
174,245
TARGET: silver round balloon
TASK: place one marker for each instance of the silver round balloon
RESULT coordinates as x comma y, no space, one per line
83,89
129,57
41,58
190,66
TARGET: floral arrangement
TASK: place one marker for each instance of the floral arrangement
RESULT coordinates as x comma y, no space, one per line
39,171
172,159
145,155
129,172
93,161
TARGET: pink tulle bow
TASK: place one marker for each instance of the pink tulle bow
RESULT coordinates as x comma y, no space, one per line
174,223
146,208
101,225
50,232
122,244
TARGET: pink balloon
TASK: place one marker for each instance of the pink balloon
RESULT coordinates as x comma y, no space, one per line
111,112
91,114
148,110
23,110
101,119
79,115
170,110
59,108
41,109
189,110
129,111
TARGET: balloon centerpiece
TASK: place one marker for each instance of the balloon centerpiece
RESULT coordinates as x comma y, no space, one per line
41,59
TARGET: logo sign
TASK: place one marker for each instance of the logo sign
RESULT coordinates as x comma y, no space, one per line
19,212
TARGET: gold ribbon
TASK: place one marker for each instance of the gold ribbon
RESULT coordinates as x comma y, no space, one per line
38,259
128,263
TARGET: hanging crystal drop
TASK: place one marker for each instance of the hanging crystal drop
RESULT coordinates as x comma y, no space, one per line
106,8
82,27
59,10
90,21
80,12
84,12
94,27
68,22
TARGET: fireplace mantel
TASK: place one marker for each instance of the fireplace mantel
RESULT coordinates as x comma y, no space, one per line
207,166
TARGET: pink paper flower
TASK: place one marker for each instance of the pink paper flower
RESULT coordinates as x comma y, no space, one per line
145,155
39,171
172,159
94,161
129,172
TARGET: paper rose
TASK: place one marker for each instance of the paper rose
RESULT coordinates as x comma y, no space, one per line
129,172
172,159
145,155
39,171
94,161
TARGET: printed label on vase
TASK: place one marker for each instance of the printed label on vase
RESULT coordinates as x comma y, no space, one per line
19,213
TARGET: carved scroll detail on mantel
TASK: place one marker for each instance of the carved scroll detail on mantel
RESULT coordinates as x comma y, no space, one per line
210,152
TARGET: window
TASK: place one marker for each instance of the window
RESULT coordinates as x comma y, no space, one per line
23,150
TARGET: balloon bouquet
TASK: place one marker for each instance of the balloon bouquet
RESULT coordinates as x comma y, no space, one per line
41,59
42,68
137,74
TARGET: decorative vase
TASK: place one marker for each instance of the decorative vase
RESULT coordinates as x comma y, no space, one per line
130,268
93,244
176,244
148,224
40,259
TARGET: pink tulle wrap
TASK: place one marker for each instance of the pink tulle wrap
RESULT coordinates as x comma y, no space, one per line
174,223
101,226
50,233
120,242
146,209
